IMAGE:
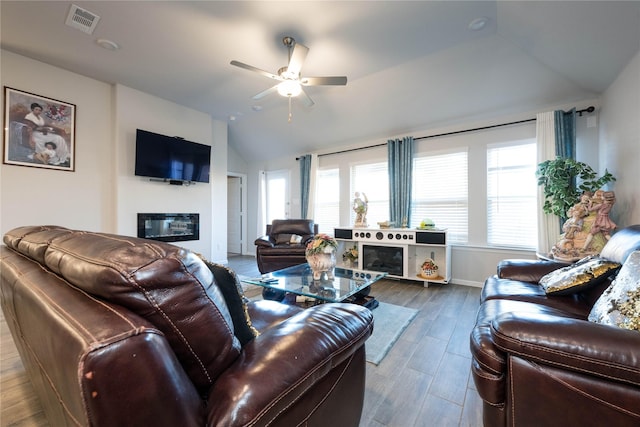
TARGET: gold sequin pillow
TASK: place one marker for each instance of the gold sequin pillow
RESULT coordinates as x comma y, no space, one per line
619,305
577,277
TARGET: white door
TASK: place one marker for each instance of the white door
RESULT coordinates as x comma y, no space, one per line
235,214
277,195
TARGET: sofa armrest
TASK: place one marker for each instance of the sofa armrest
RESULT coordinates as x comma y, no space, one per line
277,368
527,270
264,241
571,344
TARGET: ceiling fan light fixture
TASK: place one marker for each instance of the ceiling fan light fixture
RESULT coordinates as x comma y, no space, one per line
289,88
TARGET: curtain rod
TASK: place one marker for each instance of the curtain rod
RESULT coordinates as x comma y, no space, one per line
590,109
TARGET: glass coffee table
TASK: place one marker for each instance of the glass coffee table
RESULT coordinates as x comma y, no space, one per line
348,285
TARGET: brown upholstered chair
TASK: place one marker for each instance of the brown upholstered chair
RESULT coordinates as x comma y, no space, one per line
275,250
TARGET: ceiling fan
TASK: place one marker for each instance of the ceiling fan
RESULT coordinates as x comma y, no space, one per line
290,83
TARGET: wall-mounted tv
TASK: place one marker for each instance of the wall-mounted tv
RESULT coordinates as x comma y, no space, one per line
171,159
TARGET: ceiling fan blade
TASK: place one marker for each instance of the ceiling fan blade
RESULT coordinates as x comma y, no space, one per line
297,59
324,81
306,100
256,70
264,93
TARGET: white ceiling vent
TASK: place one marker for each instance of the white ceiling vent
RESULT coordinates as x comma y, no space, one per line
82,19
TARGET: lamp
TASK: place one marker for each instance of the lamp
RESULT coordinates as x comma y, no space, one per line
289,88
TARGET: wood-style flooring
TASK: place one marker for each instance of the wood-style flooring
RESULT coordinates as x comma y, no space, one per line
423,381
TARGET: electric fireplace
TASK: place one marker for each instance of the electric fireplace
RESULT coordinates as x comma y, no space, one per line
169,227
386,259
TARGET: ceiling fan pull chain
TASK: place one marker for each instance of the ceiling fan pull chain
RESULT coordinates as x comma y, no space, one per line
290,109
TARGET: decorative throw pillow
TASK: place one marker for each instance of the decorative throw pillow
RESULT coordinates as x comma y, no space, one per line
288,239
582,275
619,305
232,292
283,239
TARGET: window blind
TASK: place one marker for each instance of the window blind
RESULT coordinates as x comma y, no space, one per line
440,193
327,206
511,195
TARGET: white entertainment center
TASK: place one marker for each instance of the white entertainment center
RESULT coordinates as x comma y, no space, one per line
399,252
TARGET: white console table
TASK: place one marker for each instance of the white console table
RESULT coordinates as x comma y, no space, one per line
399,252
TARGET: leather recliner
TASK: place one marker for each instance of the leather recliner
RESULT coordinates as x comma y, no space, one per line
122,331
275,250
538,361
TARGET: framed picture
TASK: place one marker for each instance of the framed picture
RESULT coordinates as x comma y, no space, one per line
38,131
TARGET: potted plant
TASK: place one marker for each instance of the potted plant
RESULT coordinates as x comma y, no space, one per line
351,255
564,180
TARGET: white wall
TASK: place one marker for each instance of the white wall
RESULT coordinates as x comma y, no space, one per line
103,194
620,142
83,199
138,110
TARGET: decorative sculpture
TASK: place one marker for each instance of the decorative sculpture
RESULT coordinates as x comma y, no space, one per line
360,206
588,227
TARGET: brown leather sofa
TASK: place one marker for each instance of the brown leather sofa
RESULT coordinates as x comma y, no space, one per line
538,361
274,251
121,331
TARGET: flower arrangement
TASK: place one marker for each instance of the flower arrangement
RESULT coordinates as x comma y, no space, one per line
351,254
429,265
321,243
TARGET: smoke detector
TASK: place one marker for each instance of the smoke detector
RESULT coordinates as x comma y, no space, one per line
81,19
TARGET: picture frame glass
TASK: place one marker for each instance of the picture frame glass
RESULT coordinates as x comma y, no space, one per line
38,131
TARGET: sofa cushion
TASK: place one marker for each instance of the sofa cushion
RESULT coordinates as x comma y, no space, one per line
515,290
619,305
167,285
233,294
582,275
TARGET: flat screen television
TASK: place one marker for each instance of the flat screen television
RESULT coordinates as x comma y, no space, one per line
171,159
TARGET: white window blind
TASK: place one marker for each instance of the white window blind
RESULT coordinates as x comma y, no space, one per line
372,179
511,195
440,193
327,206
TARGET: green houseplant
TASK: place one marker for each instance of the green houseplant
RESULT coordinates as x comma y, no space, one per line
563,181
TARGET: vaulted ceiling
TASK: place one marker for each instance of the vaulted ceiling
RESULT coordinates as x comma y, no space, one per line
410,65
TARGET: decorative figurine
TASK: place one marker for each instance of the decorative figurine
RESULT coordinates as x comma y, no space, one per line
360,206
588,227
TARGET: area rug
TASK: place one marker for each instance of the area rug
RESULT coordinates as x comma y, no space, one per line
389,322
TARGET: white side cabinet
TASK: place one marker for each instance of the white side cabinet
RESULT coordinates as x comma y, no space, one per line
397,252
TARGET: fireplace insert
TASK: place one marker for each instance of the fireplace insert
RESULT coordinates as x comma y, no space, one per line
386,259
168,227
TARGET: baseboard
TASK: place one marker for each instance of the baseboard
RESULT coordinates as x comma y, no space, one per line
471,283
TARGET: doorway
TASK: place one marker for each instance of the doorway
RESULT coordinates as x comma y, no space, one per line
277,195
236,214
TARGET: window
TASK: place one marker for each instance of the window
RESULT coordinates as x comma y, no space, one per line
511,195
372,179
439,192
327,205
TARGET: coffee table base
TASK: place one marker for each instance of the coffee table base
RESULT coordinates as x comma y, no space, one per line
365,301
361,298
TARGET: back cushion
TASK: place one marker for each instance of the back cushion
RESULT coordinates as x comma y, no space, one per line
621,244
169,286
301,227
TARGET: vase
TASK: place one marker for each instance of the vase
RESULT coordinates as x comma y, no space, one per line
322,263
